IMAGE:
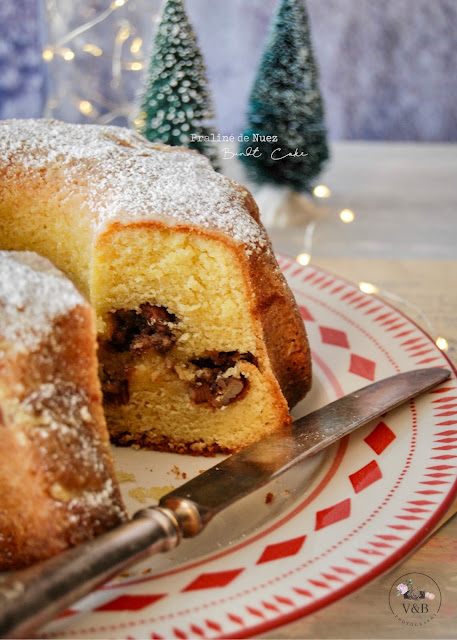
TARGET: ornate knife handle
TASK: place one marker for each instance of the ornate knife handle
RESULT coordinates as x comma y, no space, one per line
31,597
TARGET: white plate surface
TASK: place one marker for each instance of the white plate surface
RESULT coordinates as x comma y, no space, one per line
331,526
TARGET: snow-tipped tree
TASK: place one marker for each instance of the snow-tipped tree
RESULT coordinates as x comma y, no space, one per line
286,113
176,106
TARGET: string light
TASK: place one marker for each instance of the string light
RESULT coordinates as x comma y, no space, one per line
68,54
86,107
131,23
123,33
47,54
138,122
367,287
136,45
303,259
133,66
321,191
346,215
442,343
92,49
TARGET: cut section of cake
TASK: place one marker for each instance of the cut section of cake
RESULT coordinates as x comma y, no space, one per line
202,347
57,481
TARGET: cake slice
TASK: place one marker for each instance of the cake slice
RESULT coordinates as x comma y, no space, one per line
201,344
57,481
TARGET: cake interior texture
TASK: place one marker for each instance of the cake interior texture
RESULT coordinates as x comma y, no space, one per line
57,482
201,347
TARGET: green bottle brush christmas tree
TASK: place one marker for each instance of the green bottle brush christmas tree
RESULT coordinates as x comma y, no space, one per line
176,106
286,123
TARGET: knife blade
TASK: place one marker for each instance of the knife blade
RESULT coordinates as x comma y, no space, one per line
33,596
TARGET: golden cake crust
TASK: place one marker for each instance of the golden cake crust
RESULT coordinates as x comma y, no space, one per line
57,482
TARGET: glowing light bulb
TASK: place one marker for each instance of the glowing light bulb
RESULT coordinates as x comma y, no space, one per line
138,122
118,3
303,259
93,49
442,343
68,54
136,45
367,287
124,33
85,107
134,66
47,54
347,215
321,191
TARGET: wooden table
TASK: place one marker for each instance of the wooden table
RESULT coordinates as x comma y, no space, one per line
403,240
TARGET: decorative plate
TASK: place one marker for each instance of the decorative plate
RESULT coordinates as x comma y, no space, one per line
322,530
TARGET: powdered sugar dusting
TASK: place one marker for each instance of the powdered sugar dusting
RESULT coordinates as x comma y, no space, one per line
131,179
73,454
32,294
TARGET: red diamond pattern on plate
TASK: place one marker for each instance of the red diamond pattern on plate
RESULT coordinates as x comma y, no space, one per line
282,549
335,337
318,583
235,618
365,476
331,577
303,592
284,600
197,630
130,602
343,570
362,367
212,624
336,513
213,580
380,438
305,314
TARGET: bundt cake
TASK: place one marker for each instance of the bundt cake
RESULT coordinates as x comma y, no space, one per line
57,482
201,344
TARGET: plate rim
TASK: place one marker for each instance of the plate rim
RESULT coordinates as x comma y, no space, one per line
394,558
401,553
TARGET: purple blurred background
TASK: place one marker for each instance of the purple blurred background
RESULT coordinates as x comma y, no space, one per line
388,68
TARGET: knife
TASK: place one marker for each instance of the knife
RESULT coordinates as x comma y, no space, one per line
31,597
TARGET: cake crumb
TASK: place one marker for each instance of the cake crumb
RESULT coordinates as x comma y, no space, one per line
143,495
178,473
269,498
123,476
